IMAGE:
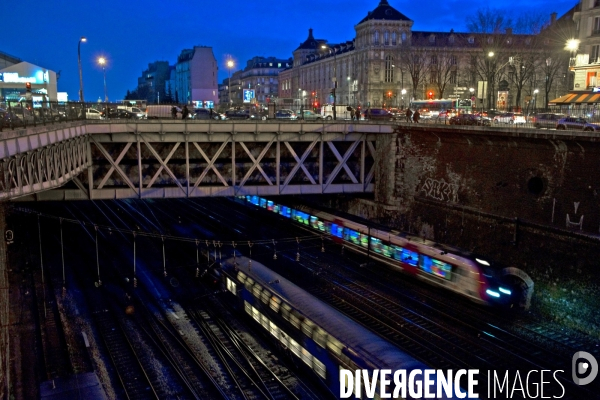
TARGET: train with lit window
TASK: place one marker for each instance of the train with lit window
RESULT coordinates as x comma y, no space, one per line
436,264
313,334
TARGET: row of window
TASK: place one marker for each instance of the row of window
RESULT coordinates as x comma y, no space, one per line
389,39
425,263
286,341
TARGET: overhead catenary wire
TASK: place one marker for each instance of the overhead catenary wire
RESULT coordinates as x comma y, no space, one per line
216,243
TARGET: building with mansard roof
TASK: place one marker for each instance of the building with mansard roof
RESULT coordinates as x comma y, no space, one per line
387,64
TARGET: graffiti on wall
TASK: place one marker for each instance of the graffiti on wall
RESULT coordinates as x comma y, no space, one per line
440,190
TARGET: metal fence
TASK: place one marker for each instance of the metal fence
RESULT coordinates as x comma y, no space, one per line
15,115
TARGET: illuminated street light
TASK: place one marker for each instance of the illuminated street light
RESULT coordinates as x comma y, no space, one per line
102,61
82,39
572,45
229,66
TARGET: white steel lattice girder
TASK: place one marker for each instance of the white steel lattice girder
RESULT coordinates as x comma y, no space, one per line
184,168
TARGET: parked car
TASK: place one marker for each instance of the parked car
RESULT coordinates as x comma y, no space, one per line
510,118
92,113
379,114
577,124
469,119
547,120
285,114
309,115
237,114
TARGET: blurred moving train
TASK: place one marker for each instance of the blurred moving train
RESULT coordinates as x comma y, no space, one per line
434,263
312,332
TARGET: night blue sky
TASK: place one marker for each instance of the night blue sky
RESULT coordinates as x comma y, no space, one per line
132,33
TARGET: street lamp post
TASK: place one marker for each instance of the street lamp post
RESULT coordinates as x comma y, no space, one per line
229,66
102,61
403,93
472,90
572,46
535,92
82,39
334,77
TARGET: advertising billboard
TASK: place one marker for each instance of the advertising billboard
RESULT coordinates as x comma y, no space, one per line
248,95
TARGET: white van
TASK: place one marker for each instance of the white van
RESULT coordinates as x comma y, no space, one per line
341,112
162,111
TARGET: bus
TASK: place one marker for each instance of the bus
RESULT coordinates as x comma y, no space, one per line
432,108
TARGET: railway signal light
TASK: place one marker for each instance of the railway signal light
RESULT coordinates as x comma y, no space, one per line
134,282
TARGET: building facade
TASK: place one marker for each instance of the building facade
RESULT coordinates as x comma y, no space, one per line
152,85
257,83
15,74
196,76
387,64
585,61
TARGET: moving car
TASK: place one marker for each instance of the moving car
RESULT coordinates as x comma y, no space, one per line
285,114
309,115
237,114
91,113
137,111
379,114
119,113
577,124
547,120
206,113
510,118
8,119
469,119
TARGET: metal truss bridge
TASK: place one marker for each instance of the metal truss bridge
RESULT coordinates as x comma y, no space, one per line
164,159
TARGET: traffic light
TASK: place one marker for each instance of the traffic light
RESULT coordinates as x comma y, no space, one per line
390,94
28,87
430,95
313,94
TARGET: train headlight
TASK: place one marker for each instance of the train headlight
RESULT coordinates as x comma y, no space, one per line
492,293
505,291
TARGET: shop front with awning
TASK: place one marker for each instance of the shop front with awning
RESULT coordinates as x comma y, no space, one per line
578,104
577,98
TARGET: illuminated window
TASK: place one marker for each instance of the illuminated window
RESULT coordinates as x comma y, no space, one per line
275,302
409,257
231,286
436,267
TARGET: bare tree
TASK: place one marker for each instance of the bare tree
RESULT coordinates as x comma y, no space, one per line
415,61
443,69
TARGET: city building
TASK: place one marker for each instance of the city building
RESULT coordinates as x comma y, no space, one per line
152,85
387,64
583,44
257,82
196,77
15,74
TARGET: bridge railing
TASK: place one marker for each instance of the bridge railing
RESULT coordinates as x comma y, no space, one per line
21,114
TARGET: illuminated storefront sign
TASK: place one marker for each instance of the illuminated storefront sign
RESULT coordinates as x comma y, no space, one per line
40,77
